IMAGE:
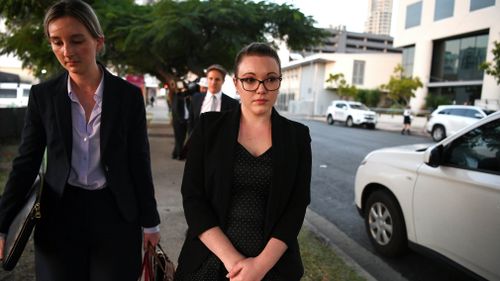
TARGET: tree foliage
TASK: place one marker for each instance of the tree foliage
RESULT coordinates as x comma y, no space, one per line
344,90
493,68
369,97
400,87
166,39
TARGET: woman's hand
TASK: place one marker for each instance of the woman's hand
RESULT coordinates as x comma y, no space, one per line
248,269
151,239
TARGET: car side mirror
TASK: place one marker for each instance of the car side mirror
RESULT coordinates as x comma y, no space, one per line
478,115
433,156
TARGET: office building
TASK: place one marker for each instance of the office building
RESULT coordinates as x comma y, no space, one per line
379,17
444,42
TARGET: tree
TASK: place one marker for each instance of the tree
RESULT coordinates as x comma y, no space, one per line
166,39
344,90
493,68
370,97
400,87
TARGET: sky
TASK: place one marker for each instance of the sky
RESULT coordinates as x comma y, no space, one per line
351,13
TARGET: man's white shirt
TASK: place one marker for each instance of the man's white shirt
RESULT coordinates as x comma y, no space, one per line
207,102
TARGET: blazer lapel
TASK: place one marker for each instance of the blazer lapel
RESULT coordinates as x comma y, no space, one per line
62,105
111,104
226,147
284,164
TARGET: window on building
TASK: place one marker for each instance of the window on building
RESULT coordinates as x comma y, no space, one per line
408,59
358,72
413,14
8,93
459,59
443,9
479,4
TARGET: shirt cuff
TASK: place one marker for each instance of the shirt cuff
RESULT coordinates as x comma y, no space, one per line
154,229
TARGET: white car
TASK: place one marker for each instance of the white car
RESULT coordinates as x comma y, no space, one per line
351,113
443,198
446,120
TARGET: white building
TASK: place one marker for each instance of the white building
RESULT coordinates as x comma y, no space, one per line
379,17
304,89
444,42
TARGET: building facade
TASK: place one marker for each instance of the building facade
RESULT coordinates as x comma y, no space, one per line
304,89
444,42
343,41
379,17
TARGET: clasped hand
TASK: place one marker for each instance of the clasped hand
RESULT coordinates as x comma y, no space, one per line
248,269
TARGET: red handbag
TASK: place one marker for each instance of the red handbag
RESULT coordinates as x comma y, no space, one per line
156,266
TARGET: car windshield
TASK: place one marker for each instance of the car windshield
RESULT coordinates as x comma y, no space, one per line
488,112
359,106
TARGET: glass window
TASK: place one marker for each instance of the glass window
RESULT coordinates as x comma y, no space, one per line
443,9
26,93
479,149
459,59
8,93
408,60
413,14
473,113
479,4
358,72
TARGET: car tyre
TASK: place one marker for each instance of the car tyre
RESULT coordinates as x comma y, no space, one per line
371,126
329,119
438,133
349,122
385,224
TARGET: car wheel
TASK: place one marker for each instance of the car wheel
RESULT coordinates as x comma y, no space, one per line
385,224
438,133
329,119
371,126
349,122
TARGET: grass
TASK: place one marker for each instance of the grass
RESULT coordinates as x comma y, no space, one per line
321,263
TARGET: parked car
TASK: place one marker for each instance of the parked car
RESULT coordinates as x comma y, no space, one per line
351,113
14,94
446,120
441,198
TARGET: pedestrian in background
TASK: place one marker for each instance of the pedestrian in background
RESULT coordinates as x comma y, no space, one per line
98,205
246,183
214,99
180,121
406,120
203,84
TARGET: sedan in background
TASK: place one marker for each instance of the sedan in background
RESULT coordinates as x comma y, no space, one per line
442,199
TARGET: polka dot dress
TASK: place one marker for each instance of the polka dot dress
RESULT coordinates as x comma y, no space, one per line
245,222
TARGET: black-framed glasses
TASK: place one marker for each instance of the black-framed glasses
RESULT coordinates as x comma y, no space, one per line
252,84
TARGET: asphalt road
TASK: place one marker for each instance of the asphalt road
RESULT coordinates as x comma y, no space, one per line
337,152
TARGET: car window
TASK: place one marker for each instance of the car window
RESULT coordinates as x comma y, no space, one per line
444,111
473,113
479,149
359,106
458,111
340,105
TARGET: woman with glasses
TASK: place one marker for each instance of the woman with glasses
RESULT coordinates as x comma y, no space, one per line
246,183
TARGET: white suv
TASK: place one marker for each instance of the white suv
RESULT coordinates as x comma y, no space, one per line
446,120
352,113
440,198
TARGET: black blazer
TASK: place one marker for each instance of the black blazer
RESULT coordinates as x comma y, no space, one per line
227,103
124,149
207,181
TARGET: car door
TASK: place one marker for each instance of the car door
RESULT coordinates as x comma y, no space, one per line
456,205
340,111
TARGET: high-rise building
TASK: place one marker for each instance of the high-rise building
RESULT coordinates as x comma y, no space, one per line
379,17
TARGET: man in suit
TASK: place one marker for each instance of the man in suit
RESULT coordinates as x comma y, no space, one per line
214,99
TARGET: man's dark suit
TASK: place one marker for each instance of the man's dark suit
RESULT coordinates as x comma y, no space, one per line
180,102
124,152
227,103
207,183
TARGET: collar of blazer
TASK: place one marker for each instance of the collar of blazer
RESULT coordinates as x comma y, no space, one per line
111,103
284,158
